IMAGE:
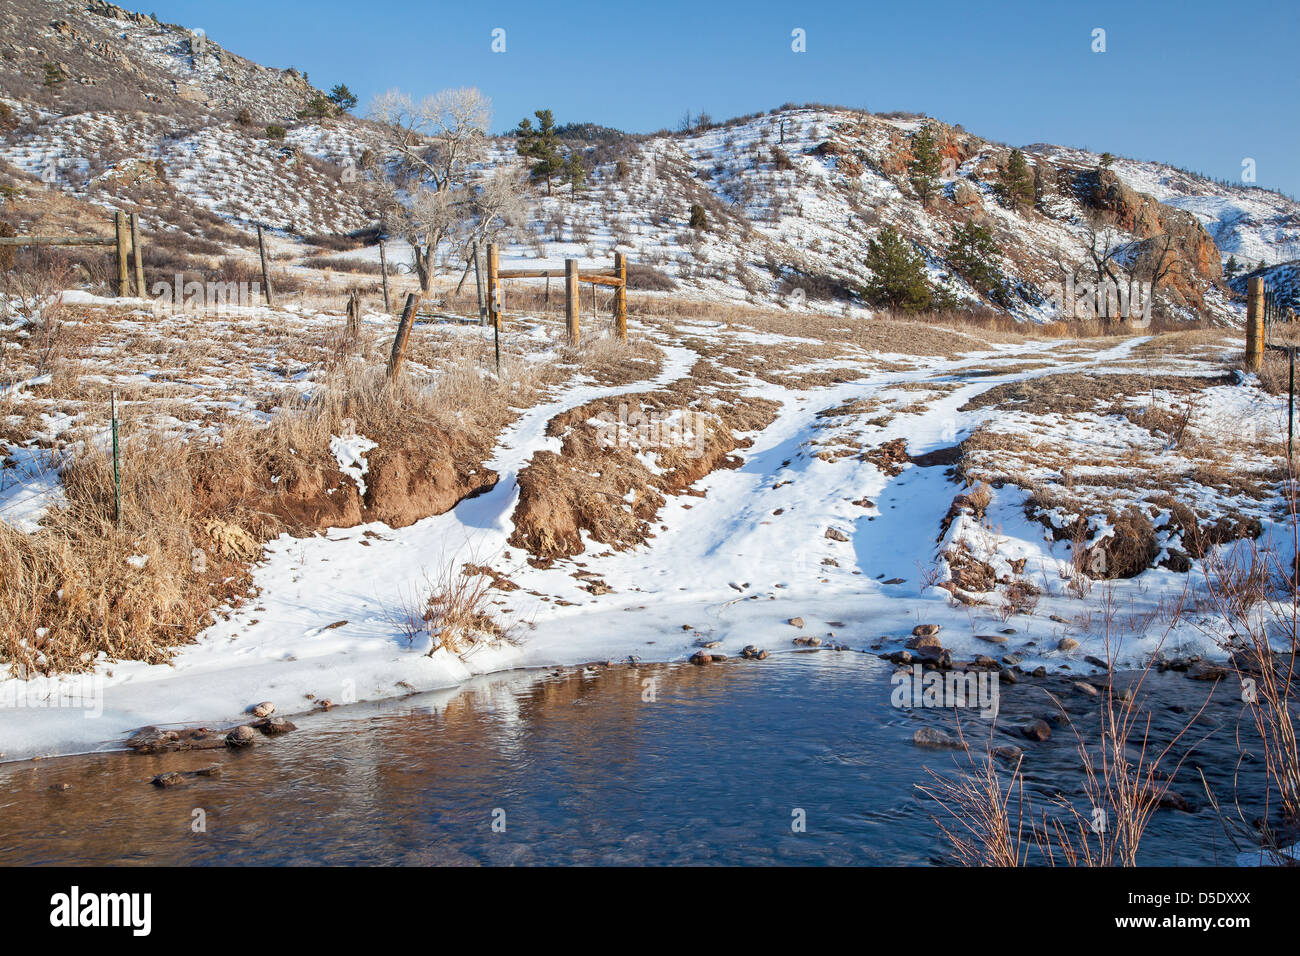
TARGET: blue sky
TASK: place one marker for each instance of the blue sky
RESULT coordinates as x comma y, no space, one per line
1202,85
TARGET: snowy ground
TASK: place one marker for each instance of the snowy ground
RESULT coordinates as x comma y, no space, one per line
733,566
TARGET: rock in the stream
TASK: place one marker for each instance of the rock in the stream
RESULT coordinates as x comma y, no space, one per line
1008,752
1084,687
1171,800
796,622
1202,670
932,654
922,640
274,726
169,779
1066,644
241,736
1037,730
752,653
991,638
151,740
932,738
926,630
700,658
199,738
264,709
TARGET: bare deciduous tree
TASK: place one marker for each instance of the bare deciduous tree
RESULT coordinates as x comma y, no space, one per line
437,142
498,207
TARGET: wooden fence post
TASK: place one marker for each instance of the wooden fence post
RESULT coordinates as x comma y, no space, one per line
620,297
383,272
1254,323
403,333
137,255
123,279
571,303
266,275
494,299
478,283
494,285
117,461
354,315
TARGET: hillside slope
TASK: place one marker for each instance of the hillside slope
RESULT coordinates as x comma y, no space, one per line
125,111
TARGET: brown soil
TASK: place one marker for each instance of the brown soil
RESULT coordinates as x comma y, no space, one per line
1081,392
891,457
605,489
424,475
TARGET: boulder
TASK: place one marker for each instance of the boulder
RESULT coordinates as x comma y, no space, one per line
931,738
1037,730
965,195
275,726
241,736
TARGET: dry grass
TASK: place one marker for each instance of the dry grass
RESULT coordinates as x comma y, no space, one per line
1126,775
197,510
1255,594
453,610
984,818
69,592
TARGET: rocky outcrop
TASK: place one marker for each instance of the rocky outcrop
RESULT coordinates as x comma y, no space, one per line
1172,244
114,12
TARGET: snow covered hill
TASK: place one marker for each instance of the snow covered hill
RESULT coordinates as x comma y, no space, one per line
156,119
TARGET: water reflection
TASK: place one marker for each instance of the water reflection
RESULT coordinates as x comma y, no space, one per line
581,769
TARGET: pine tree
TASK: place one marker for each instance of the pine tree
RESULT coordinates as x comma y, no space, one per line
1106,161
541,145
923,170
897,274
1232,268
318,107
1017,186
342,98
575,173
972,254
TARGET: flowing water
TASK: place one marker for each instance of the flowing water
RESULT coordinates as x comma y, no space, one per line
580,767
